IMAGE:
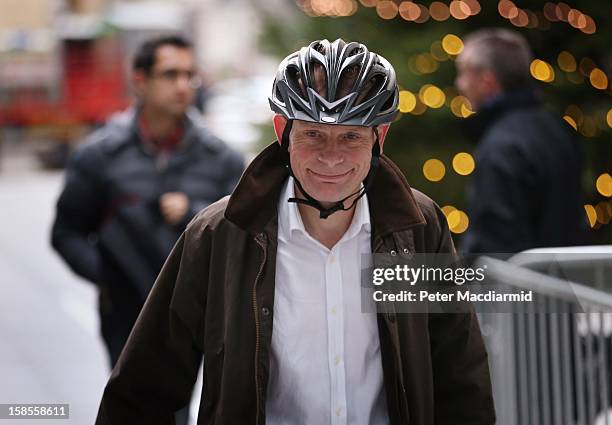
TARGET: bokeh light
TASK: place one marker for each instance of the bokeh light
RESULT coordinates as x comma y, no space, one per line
473,6
566,61
598,79
439,11
452,44
438,52
570,121
425,63
407,101
542,71
434,170
460,107
387,9
463,163
609,118
432,96
419,108
423,15
409,11
458,221
447,209
520,20
459,9
602,211
604,184
507,9
586,66
591,214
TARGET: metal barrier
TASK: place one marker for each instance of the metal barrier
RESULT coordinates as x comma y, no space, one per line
553,368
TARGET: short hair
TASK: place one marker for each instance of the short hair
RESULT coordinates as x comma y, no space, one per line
504,52
144,59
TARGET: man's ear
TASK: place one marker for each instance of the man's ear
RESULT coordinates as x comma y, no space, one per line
491,83
382,134
279,126
139,80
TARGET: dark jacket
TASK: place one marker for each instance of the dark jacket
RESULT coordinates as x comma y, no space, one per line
215,296
526,189
108,226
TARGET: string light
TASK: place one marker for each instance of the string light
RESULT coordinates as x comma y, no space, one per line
598,79
452,44
570,121
434,170
447,209
409,11
458,221
407,101
463,163
541,70
566,61
603,184
439,11
591,214
387,9
432,96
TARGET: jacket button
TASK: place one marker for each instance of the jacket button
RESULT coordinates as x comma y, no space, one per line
391,317
393,253
262,235
265,311
406,251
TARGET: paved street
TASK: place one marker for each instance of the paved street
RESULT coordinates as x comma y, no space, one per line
50,351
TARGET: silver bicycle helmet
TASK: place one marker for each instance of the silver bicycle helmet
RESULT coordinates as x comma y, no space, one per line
335,83
371,97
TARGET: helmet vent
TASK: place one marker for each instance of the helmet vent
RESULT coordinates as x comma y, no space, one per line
294,81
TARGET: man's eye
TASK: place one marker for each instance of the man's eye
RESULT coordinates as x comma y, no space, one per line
311,133
352,136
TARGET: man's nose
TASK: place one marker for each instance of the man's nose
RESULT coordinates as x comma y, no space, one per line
331,156
183,81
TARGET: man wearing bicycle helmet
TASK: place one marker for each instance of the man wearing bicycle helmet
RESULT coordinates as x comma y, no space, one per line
265,284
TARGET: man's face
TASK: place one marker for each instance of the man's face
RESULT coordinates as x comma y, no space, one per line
330,161
472,82
170,87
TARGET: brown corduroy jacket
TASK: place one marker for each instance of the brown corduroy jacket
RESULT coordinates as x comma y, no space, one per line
215,296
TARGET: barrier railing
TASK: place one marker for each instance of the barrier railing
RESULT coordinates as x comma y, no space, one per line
553,367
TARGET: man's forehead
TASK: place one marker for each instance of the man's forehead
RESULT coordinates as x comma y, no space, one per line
329,127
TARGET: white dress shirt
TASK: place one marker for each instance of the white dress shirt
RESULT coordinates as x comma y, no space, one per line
325,365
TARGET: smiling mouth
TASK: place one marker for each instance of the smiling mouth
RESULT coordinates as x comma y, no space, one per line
330,177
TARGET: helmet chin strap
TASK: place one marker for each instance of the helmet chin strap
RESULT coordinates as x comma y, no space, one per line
339,205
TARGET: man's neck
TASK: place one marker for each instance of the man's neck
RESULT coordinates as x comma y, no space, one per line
330,230
159,125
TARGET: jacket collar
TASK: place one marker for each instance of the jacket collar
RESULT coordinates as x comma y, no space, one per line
254,202
495,108
122,130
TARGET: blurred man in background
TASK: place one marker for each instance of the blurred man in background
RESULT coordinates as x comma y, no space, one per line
525,191
133,186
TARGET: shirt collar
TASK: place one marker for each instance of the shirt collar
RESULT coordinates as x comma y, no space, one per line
290,220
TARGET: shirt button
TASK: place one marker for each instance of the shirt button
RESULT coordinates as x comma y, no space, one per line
332,258
338,411
337,360
334,310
